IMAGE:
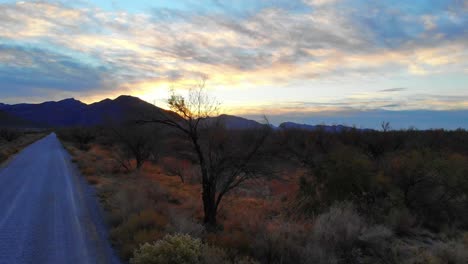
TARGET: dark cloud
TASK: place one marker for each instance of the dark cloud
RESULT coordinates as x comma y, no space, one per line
33,70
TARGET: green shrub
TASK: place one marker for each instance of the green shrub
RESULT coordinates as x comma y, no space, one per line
184,249
172,249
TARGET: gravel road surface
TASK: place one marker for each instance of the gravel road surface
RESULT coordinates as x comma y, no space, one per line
48,213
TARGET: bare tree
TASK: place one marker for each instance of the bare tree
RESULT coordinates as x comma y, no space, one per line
83,137
385,126
225,159
138,143
177,167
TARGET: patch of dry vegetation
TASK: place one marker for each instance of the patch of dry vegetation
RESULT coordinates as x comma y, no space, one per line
371,206
144,205
13,141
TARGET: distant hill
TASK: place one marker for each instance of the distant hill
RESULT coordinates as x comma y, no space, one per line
235,122
71,112
124,108
332,129
7,120
62,113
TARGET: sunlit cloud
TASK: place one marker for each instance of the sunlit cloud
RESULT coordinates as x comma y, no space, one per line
91,52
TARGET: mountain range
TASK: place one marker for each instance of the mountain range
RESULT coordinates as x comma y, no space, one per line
71,112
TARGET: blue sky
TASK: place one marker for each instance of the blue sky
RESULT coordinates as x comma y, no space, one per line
295,59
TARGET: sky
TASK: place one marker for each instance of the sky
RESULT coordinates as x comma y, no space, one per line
354,62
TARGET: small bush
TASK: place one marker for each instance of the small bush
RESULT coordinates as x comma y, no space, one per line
214,255
80,136
144,227
184,249
9,134
339,228
336,235
401,221
172,249
93,180
182,224
345,174
284,243
451,252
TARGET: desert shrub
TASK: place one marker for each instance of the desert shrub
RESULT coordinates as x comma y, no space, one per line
80,136
401,221
181,168
182,248
237,239
283,243
131,196
245,260
9,135
336,235
136,144
341,235
451,252
343,174
347,174
214,255
182,224
376,243
139,228
134,214
432,252
172,249
433,186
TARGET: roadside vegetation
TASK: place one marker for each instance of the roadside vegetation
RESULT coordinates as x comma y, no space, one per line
14,140
178,189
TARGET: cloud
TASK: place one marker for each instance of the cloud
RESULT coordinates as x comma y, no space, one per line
391,90
270,44
320,2
382,101
29,71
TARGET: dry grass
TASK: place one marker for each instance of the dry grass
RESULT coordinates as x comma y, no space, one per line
8,149
144,206
130,197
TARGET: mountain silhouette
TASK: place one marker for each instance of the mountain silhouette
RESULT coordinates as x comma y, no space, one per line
8,120
71,112
326,128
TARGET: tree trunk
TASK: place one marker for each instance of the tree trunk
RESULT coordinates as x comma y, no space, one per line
209,207
209,190
139,163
